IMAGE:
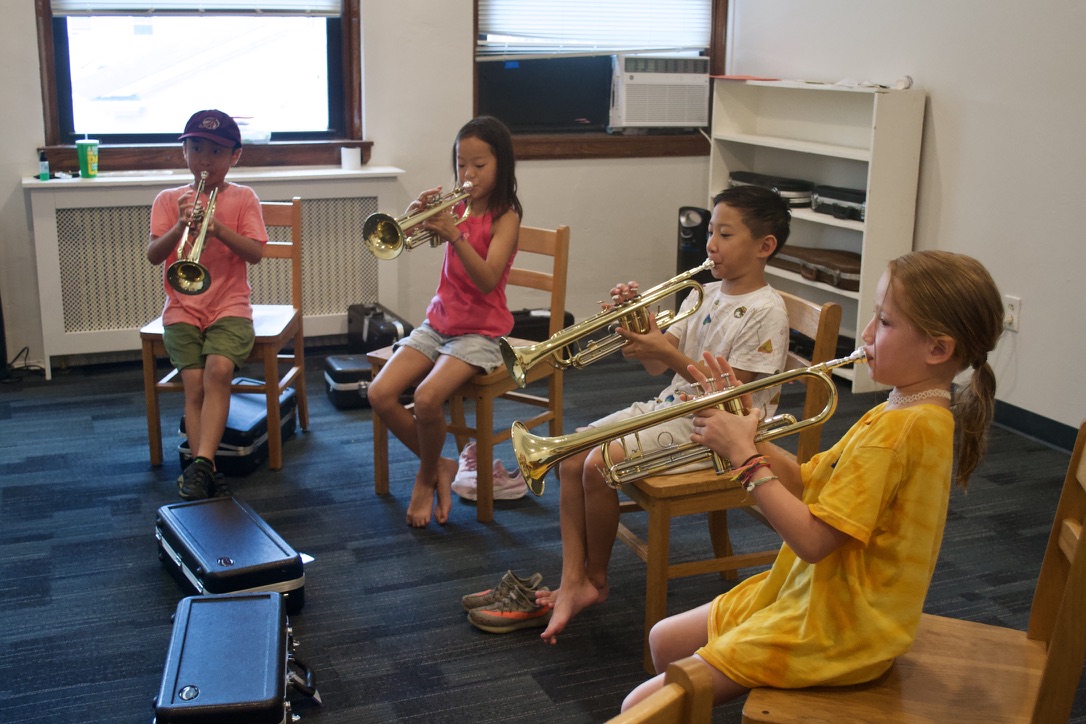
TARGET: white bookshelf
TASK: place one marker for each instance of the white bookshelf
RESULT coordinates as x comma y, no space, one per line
862,138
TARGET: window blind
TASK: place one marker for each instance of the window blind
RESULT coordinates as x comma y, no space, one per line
529,28
323,8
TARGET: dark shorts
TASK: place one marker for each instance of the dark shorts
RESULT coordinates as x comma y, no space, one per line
188,346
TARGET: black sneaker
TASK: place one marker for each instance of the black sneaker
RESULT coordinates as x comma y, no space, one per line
196,482
220,487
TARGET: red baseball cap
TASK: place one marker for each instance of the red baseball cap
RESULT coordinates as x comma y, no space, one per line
214,126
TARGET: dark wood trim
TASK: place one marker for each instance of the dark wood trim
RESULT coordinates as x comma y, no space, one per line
718,41
47,70
600,145
352,70
148,157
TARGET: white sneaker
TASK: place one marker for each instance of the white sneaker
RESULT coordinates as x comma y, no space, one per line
508,486
464,484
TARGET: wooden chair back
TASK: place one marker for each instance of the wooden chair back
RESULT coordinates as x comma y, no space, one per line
686,697
959,670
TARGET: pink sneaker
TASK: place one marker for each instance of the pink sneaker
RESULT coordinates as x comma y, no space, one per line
508,486
464,484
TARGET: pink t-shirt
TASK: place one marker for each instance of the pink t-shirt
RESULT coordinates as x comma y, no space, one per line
459,307
236,207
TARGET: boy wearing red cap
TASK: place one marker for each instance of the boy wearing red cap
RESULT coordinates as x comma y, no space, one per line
208,333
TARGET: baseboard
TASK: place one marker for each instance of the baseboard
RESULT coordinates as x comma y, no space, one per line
1051,433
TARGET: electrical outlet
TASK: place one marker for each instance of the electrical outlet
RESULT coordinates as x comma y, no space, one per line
1012,312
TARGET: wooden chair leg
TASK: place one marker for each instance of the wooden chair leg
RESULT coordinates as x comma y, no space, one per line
484,430
656,563
299,382
456,414
150,393
271,393
722,541
380,456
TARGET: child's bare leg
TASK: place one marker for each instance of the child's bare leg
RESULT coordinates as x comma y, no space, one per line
677,637
218,372
588,511
436,473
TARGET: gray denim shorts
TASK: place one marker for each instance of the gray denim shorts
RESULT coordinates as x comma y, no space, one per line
475,349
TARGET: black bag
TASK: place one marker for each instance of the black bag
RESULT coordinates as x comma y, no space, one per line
796,192
373,326
840,202
347,378
231,658
244,444
535,324
220,545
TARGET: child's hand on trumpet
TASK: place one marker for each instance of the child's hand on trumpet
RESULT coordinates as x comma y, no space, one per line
719,430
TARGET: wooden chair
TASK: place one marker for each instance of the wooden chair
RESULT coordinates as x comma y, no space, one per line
958,671
483,389
665,497
276,326
686,698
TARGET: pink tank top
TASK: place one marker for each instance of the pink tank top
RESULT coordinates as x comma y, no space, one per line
459,307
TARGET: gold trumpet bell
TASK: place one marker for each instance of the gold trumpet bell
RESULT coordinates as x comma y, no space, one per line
383,236
188,277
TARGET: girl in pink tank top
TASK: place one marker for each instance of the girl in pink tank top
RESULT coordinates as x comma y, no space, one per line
466,316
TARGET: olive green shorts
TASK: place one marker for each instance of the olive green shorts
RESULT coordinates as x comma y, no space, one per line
189,346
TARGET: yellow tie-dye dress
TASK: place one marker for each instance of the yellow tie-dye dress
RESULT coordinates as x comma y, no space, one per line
842,621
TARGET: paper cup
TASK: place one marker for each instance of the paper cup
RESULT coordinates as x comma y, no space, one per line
350,158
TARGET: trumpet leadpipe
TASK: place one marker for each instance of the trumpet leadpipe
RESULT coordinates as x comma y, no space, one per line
563,348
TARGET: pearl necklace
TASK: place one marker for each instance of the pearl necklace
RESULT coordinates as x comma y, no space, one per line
899,399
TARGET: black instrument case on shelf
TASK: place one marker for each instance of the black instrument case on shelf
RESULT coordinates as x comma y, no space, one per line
231,659
244,445
221,545
839,202
796,192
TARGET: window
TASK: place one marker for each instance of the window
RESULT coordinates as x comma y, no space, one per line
116,69
561,50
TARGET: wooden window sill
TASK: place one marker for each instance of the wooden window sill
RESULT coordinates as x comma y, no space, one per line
530,147
149,157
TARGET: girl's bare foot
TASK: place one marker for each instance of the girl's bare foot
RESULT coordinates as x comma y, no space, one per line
446,473
422,503
567,601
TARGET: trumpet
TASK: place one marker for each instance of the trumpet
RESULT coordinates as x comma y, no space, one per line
563,348
536,454
386,237
187,275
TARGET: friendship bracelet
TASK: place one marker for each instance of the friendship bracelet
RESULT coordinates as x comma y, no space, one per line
751,485
745,472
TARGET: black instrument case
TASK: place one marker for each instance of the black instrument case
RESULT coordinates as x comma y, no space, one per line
221,545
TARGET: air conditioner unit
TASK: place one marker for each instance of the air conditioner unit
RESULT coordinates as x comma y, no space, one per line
658,91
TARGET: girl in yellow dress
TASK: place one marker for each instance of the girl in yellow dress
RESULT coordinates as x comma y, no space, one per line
863,521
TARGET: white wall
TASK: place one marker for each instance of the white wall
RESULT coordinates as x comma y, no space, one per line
1001,159
1004,154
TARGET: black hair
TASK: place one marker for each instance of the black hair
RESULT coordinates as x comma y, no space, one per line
763,210
493,132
